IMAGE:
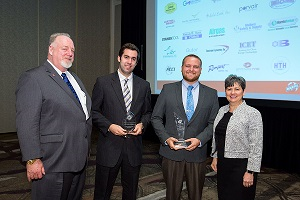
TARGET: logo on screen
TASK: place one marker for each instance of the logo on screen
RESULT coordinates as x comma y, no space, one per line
221,49
281,43
247,66
170,8
170,38
169,52
191,35
248,8
247,27
280,65
190,2
169,23
216,32
218,68
292,87
285,23
279,4
247,47
191,50
218,13
192,18
170,70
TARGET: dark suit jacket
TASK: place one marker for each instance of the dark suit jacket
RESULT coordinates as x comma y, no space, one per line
108,108
200,126
51,124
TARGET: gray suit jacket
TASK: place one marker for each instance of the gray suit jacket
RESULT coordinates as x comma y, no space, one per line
51,123
200,126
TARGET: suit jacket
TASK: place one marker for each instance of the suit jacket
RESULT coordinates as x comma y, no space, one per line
200,126
108,108
51,123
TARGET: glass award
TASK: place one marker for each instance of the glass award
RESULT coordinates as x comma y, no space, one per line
180,126
129,122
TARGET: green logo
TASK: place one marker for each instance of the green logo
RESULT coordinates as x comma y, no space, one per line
170,8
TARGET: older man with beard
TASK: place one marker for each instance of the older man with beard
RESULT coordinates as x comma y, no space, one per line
54,124
195,106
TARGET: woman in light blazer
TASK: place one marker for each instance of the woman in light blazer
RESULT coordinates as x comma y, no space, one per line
237,144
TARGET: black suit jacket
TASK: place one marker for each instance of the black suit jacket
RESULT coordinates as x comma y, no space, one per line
108,108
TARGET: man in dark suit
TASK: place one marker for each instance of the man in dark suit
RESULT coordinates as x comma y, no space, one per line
54,124
201,104
114,96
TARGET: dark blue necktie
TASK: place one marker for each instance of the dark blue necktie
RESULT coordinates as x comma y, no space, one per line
189,103
66,80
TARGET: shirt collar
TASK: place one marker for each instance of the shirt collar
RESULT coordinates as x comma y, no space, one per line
122,77
185,84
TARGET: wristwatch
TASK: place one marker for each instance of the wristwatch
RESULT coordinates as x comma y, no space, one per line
30,162
250,172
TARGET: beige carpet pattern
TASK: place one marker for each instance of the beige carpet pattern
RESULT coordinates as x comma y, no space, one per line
272,184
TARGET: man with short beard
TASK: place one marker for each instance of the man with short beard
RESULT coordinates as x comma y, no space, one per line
196,105
54,124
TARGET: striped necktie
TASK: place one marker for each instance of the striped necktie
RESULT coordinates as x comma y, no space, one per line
66,80
189,103
126,95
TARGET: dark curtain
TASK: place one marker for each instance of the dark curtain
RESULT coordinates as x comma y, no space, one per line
281,119
133,28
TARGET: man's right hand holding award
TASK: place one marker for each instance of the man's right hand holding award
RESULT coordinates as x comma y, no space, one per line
180,143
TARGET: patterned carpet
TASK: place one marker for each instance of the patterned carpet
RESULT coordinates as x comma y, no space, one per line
272,184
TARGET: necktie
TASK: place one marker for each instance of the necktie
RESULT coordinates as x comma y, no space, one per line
189,103
66,80
126,95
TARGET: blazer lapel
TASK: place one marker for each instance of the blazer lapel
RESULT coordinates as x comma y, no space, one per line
200,102
118,89
178,92
57,78
135,90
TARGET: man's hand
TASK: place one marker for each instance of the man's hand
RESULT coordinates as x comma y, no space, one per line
117,130
194,144
170,141
35,170
138,129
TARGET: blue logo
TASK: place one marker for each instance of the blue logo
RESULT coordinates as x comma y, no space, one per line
170,70
281,43
248,8
280,65
247,27
221,49
284,23
280,4
190,2
191,35
247,47
292,87
219,68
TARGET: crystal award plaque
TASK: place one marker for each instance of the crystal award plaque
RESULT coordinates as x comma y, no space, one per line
180,126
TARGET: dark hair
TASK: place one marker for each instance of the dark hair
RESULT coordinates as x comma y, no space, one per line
192,55
231,79
131,47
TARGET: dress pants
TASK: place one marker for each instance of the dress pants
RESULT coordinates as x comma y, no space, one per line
175,172
59,186
106,177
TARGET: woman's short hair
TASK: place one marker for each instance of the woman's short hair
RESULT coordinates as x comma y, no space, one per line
232,78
